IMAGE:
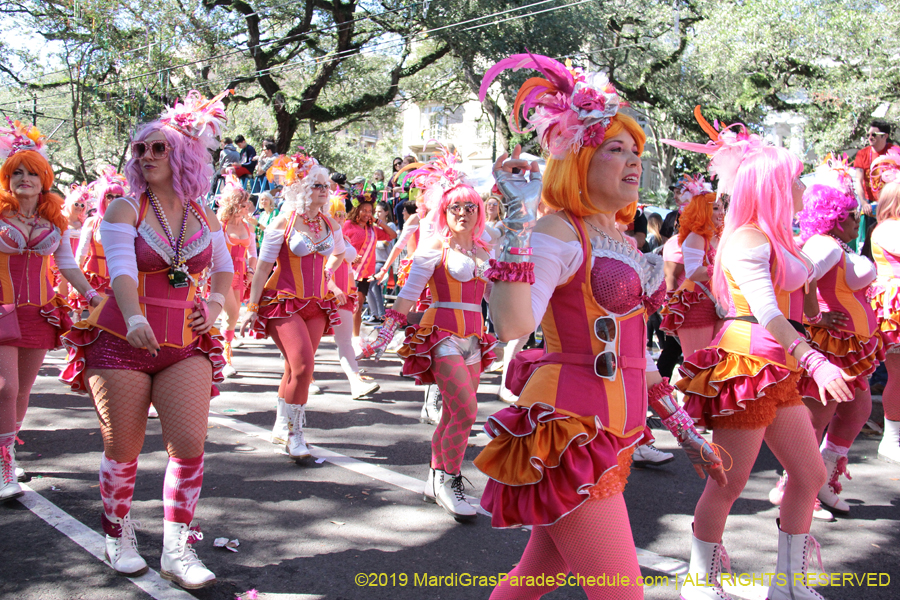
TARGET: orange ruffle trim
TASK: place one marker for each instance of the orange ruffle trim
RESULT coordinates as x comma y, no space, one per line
613,481
760,413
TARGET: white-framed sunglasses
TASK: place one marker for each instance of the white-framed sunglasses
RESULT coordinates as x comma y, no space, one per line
606,330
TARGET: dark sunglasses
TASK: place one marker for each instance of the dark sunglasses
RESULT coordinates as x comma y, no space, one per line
157,150
319,186
79,205
874,135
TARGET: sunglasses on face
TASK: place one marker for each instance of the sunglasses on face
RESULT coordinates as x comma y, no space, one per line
319,186
457,209
605,364
79,205
855,215
157,150
872,134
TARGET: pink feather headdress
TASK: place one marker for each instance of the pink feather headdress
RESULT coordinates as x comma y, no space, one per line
727,149
110,182
884,170
288,170
689,186
82,192
438,175
834,171
569,108
198,118
19,137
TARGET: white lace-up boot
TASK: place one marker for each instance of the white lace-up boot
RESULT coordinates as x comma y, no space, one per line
776,494
450,496
360,387
121,546
793,559
835,465
889,448
434,481
281,429
431,409
296,443
9,484
702,581
179,562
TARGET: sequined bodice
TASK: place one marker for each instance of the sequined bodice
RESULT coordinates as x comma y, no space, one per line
44,241
622,279
154,254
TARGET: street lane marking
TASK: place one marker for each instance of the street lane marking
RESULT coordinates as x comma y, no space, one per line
95,544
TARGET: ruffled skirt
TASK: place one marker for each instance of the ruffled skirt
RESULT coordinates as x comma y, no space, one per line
735,391
278,305
885,297
855,354
687,308
43,327
117,353
419,342
544,464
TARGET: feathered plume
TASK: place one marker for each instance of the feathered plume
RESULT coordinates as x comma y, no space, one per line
833,171
569,108
884,170
288,170
198,118
689,186
727,148
438,175
17,137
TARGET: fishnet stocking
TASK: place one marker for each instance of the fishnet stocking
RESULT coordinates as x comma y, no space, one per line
458,383
694,338
891,394
122,399
298,340
848,419
19,368
181,395
594,540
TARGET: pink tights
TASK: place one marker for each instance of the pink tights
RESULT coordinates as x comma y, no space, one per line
458,383
19,369
298,340
793,441
891,394
844,419
593,540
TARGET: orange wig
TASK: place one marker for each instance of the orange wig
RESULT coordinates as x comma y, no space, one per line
564,179
49,204
697,217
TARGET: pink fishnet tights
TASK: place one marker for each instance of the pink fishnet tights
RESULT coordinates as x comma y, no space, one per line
458,383
18,371
593,540
298,340
793,441
891,394
844,419
180,394
693,339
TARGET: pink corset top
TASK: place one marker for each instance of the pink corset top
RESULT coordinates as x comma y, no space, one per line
623,279
153,253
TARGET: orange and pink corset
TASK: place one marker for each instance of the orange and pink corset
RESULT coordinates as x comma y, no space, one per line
298,276
30,269
464,319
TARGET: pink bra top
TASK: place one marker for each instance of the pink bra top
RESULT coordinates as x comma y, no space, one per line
44,241
623,279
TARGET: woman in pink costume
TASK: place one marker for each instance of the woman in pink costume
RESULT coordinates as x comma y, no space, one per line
744,386
234,208
364,232
559,458
360,385
844,329
152,340
297,304
89,255
690,312
32,230
885,293
450,346
75,208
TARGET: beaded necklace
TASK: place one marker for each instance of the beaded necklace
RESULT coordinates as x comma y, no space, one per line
178,277
470,253
315,225
844,246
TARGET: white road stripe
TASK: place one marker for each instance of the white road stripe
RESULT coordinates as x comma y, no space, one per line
150,582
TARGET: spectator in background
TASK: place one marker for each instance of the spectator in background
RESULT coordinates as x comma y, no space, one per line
260,183
228,156
638,229
382,250
879,135
654,236
248,157
266,212
378,180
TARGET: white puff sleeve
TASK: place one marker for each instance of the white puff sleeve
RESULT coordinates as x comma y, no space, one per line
118,245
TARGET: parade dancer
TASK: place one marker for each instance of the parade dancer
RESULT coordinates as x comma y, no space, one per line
449,346
885,293
843,327
153,339
296,304
744,386
360,385
558,460
75,208
234,208
690,312
32,315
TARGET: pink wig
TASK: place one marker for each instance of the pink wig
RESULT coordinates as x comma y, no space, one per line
465,193
824,207
78,193
191,163
762,198
110,183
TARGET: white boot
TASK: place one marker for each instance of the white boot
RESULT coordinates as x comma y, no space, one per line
793,559
702,581
296,443
9,484
648,455
776,494
431,409
450,496
360,387
281,429
179,562
121,551
835,465
435,480
889,448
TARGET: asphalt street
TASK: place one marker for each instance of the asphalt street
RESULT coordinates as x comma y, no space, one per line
351,523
